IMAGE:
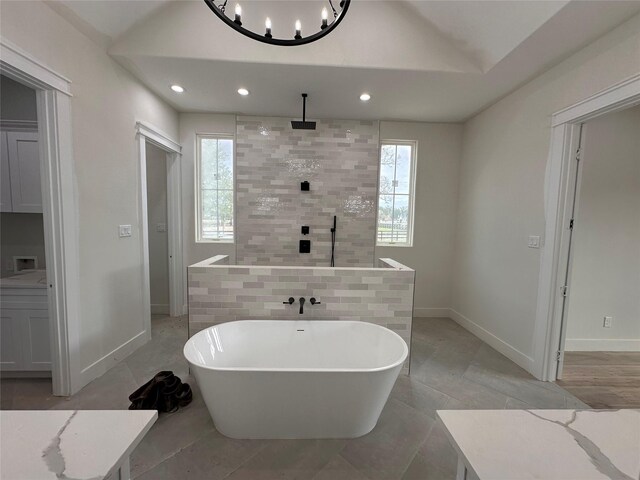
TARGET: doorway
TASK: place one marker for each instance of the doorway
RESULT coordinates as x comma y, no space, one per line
600,341
157,227
561,185
161,146
59,208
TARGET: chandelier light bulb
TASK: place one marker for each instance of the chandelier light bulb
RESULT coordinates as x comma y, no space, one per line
267,25
298,30
325,16
238,18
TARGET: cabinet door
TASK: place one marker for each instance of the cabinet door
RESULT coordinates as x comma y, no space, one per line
5,176
35,338
24,167
11,339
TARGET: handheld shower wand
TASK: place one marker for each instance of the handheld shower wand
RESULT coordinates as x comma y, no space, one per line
333,242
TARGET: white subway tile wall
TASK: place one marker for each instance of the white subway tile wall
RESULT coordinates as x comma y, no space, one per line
340,161
220,293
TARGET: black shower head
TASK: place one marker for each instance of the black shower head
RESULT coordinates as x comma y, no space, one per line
297,125
303,125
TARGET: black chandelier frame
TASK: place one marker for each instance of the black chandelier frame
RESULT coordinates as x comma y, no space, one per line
219,10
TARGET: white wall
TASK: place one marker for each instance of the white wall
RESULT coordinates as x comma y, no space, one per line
605,278
158,239
501,202
17,101
107,101
437,171
190,125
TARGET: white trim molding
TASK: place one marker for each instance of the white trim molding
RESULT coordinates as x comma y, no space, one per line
60,209
559,190
432,312
19,63
146,132
602,345
489,338
157,137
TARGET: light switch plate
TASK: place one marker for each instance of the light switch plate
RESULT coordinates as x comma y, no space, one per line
161,227
534,241
124,231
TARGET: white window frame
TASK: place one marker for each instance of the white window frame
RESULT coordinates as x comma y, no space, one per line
412,190
198,193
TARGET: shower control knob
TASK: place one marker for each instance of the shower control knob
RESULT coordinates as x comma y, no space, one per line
290,301
314,301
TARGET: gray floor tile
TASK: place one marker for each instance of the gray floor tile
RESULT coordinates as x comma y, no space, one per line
386,452
289,459
421,469
339,469
211,457
419,396
437,452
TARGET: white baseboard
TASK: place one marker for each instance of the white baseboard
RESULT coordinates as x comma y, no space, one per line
112,358
159,309
486,336
602,345
432,312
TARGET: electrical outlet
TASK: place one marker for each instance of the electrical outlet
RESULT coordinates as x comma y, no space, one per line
124,231
607,322
161,227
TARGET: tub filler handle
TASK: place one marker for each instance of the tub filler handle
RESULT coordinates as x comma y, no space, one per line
313,301
290,301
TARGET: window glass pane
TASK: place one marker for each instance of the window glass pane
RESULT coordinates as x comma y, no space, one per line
387,168
216,189
208,163
403,169
385,218
400,218
225,164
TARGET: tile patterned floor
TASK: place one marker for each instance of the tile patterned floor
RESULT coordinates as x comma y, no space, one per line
451,369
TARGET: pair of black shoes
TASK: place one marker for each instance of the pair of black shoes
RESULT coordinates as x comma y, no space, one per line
164,392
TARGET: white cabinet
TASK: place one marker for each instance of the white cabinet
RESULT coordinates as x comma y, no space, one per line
24,330
20,160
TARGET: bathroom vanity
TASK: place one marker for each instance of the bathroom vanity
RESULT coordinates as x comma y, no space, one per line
549,444
24,324
55,444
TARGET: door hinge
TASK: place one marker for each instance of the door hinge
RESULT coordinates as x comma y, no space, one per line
564,289
558,355
571,224
578,152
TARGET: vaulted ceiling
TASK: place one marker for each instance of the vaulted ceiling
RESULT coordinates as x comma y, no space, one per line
419,60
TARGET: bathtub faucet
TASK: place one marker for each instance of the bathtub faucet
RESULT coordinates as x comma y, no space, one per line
302,305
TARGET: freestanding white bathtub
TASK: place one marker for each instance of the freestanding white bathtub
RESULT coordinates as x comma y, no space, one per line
295,379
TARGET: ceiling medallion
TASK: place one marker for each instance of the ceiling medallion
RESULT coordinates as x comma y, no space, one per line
267,37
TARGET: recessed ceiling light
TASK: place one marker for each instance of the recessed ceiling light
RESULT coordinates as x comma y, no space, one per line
243,91
365,97
177,88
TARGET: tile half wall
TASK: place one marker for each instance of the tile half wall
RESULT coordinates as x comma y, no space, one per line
219,292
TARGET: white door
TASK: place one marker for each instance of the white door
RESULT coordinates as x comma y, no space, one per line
24,166
5,176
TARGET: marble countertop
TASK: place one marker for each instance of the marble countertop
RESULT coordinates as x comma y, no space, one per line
547,444
78,444
26,279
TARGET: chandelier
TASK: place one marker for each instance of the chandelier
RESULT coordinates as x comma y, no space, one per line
296,38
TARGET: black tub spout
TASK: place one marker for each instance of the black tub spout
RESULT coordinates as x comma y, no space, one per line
301,305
